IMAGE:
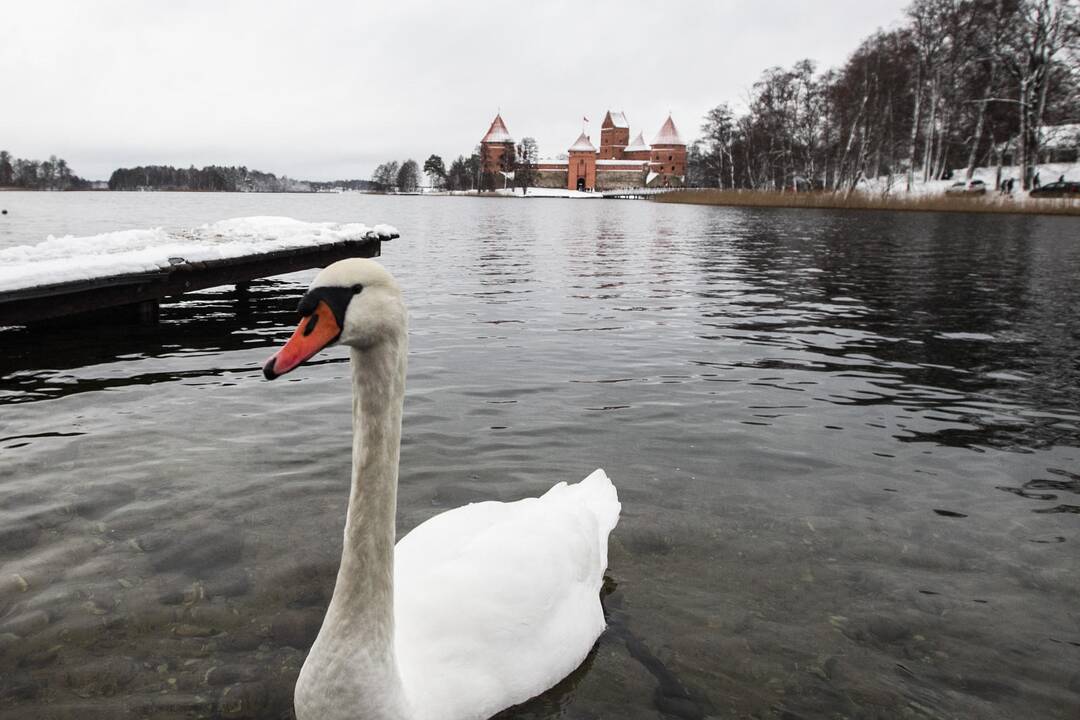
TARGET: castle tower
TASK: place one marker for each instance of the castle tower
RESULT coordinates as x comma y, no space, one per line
496,153
581,167
614,136
668,156
638,150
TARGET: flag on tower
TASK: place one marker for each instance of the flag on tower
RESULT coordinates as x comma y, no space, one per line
585,119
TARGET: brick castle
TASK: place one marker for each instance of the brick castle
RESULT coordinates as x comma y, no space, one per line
618,163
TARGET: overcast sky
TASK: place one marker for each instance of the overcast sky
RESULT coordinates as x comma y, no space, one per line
329,89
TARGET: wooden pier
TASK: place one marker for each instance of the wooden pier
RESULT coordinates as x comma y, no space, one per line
136,297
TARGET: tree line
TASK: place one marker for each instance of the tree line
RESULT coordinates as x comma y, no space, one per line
464,173
51,174
960,84
212,178
391,176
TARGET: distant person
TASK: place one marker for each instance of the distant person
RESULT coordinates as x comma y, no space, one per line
1062,178
1035,181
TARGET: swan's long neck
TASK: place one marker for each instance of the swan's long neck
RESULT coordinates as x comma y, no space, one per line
354,665
365,582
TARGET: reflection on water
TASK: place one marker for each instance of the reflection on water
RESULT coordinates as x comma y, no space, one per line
846,445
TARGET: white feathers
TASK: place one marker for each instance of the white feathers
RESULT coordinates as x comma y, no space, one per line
496,602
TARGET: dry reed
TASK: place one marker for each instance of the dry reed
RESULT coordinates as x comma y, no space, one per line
862,201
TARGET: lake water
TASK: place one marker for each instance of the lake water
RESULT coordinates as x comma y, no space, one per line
847,447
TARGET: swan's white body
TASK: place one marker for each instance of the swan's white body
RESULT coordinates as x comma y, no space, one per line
479,608
497,602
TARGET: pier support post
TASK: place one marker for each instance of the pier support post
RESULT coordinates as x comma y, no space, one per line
147,312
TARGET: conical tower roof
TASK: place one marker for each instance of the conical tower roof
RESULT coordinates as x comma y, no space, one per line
668,135
615,120
497,133
637,144
583,144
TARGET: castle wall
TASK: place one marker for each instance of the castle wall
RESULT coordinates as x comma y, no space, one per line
551,178
619,179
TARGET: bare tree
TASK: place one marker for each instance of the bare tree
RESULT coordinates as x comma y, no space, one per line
1043,30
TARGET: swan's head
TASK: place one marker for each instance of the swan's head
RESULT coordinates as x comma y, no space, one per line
354,302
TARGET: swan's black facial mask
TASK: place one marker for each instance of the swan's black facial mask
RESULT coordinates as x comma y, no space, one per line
336,298
323,310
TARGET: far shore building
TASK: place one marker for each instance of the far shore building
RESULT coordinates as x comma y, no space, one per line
618,163
1057,144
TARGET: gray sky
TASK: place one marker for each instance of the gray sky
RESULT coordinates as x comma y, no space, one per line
328,89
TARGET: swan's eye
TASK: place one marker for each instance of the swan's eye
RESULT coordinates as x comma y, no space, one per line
356,289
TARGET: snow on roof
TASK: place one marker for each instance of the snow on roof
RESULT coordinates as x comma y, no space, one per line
69,258
616,119
497,133
637,144
583,144
623,163
668,135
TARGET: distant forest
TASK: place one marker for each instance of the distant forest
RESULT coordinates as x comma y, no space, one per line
51,174
959,84
215,178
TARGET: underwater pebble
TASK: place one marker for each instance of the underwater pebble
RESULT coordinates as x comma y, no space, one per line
27,623
228,675
887,629
296,629
200,551
19,687
228,586
44,657
8,641
104,677
19,536
254,700
13,583
188,630
244,641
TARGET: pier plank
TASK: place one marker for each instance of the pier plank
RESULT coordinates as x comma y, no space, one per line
42,303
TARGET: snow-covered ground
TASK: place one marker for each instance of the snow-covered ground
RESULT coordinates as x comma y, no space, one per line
70,258
897,184
548,192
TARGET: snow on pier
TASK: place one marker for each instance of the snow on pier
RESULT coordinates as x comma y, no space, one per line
69,275
67,259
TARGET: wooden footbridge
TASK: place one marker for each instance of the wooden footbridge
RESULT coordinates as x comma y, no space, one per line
634,193
135,297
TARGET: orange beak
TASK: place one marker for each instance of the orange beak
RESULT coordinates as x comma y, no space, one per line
315,332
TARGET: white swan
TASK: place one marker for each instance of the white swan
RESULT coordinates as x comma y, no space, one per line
478,608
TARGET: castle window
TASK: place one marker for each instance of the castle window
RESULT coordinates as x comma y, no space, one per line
669,158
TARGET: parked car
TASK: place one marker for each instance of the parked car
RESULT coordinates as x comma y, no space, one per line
975,187
1058,189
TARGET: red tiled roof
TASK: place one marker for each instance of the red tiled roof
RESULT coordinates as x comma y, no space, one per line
497,133
668,135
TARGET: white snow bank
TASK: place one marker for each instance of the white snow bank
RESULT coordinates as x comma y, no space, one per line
69,258
549,192
897,184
